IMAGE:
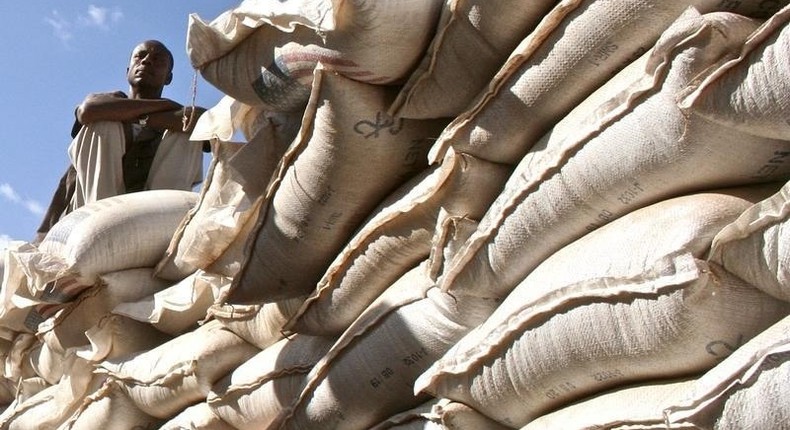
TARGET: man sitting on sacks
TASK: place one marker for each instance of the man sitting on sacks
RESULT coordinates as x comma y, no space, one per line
126,143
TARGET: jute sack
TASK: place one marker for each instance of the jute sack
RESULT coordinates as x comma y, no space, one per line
46,362
66,329
235,184
260,325
472,41
163,381
199,416
397,237
122,232
377,359
638,304
179,308
253,394
348,157
637,148
418,418
16,365
108,408
116,336
752,92
639,406
754,246
577,47
272,47
747,390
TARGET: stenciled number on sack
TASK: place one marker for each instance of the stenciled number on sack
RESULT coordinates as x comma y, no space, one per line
385,374
374,128
415,357
559,390
772,165
603,53
631,193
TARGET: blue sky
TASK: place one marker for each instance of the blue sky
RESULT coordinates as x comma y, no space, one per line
54,53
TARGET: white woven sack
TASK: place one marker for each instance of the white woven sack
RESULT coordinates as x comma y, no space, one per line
116,336
66,329
199,416
633,407
260,325
397,237
16,365
754,246
253,394
46,362
165,380
473,39
752,92
122,232
235,185
267,50
348,157
635,149
578,46
637,305
746,389
377,359
179,308
108,408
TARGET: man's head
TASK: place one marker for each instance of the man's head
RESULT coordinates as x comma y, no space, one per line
150,68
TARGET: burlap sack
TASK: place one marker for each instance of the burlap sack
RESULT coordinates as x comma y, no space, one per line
635,149
66,329
260,325
116,336
163,381
199,416
16,365
632,407
472,41
631,301
179,308
754,246
397,237
747,390
122,232
752,92
577,47
235,185
267,50
348,157
46,362
108,408
253,394
377,359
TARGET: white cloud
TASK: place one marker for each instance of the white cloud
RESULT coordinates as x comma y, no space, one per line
61,27
101,17
34,207
95,17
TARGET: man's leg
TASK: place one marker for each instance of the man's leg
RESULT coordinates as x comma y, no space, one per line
97,156
178,164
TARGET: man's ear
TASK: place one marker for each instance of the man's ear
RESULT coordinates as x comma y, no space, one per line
169,78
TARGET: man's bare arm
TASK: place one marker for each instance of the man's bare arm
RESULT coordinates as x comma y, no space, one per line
116,107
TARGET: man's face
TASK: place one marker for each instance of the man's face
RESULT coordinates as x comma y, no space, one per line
149,66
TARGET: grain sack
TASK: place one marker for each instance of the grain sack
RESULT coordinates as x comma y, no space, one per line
166,379
747,390
752,92
253,394
615,159
122,232
235,185
637,305
7,392
17,366
417,418
197,416
108,408
46,363
378,358
632,407
265,52
179,308
754,246
116,336
348,157
577,47
472,41
396,238
18,313
66,329
260,325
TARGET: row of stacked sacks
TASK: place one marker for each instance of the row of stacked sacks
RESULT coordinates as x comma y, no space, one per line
447,214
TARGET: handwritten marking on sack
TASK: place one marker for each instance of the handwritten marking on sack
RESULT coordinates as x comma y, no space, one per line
415,357
379,379
331,220
382,122
774,164
721,349
560,389
602,219
606,375
631,193
600,55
